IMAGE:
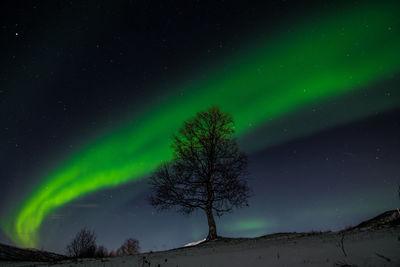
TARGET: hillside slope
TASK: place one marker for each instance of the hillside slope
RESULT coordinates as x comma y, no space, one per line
375,242
10,253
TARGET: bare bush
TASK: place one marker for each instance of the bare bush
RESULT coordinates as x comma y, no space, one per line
83,245
129,247
101,252
112,254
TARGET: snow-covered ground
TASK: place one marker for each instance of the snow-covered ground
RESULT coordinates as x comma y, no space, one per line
363,248
191,244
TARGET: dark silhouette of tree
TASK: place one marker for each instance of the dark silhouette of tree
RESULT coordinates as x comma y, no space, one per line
101,252
208,172
398,192
112,254
129,247
83,245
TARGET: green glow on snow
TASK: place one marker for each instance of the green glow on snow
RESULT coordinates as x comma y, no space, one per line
324,58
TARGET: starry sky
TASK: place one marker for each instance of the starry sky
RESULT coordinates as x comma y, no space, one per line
91,93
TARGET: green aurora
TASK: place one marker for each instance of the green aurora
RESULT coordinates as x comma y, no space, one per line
324,58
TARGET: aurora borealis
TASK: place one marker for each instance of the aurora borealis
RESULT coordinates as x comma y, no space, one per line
329,57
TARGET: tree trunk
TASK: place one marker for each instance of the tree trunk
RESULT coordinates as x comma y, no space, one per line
212,228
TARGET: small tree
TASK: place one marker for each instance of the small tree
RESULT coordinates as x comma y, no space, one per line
129,247
83,245
101,252
207,171
112,254
398,192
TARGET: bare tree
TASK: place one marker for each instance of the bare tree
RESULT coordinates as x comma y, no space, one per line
112,254
208,172
398,192
83,245
101,252
129,247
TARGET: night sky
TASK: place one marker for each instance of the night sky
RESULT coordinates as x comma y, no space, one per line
92,91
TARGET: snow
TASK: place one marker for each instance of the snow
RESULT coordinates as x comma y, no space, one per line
363,248
194,243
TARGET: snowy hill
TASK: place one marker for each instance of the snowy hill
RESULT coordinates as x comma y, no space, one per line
10,253
386,219
375,242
